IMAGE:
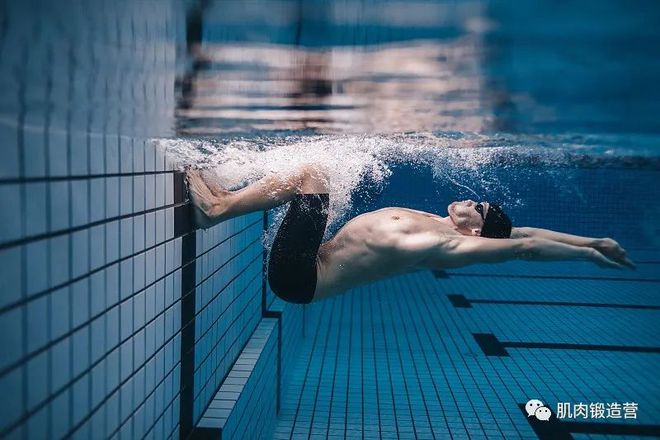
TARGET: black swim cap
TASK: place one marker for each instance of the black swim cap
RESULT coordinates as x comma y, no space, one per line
496,224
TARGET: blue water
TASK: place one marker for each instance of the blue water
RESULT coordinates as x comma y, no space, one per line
565,96
548,108
119,321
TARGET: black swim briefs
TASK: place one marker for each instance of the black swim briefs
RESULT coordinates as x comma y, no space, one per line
292,263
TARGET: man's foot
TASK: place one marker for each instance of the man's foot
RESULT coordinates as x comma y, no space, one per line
210,179
209,204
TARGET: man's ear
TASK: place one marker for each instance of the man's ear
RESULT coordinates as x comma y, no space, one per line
476,232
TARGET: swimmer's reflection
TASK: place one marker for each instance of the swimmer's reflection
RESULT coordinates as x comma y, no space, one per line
312,83
312,77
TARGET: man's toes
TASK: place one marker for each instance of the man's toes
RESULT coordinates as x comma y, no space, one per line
209,179
198,185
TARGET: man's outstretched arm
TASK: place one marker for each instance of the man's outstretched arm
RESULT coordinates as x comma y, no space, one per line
606,246
575,240
472,250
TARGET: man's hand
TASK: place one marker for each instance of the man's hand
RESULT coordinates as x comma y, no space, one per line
613,250
602,261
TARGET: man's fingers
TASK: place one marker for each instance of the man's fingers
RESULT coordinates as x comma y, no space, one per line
613,264
603,261
625,261
611,249
629,263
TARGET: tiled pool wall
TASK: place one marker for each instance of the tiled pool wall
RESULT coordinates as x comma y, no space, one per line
118,320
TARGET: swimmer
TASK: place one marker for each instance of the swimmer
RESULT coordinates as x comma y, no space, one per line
381,243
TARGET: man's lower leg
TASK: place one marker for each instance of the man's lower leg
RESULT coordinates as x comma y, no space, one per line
267,193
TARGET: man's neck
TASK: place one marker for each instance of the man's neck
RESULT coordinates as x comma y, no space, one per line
447,221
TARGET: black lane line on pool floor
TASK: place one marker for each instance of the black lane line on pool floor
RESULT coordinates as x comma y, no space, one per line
555,429
491,346
443,274
461,302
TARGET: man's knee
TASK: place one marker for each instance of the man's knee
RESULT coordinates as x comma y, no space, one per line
313,179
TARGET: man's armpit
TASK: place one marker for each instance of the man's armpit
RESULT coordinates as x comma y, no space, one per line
520,233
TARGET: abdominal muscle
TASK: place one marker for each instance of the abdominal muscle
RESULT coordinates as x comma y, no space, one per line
372,246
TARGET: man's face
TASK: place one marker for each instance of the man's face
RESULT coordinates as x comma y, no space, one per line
466,216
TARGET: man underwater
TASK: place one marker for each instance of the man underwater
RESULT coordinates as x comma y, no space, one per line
384,242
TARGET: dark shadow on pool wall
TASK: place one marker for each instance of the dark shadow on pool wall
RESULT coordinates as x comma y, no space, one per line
237,339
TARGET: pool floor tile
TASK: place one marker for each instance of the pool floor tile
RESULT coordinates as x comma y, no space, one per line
399,359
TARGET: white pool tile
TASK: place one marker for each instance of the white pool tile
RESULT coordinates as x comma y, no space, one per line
9,139
10,212
80,251
36,272
79,202
11,275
